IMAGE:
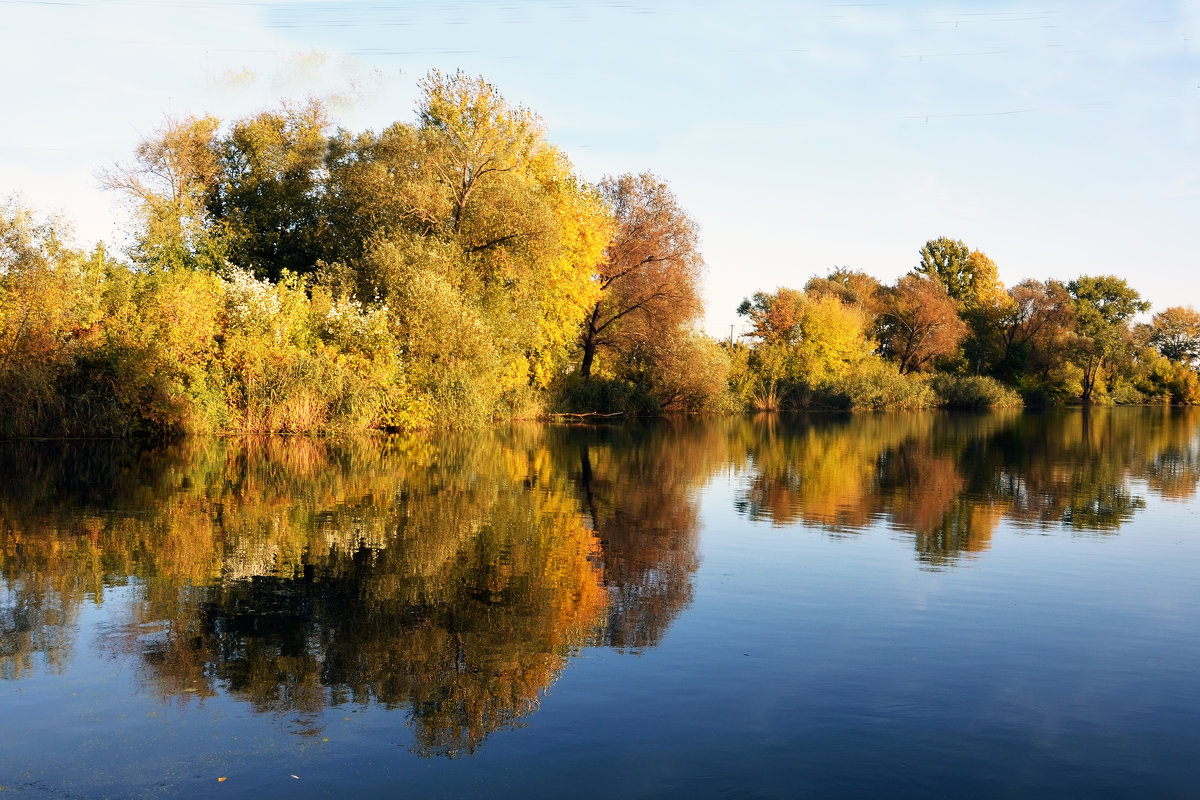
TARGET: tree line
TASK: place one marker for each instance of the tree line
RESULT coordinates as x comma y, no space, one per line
287,275
949,333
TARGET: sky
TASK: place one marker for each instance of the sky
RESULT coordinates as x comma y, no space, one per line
1060,138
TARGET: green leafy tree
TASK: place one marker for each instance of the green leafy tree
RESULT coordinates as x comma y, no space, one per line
174,175
269,198
1104,306
949,260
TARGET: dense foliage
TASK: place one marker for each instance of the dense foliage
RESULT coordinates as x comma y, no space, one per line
949,334
288,276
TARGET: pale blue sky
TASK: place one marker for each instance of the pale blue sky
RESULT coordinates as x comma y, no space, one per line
1062,138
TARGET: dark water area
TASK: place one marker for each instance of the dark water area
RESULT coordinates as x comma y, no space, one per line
917,605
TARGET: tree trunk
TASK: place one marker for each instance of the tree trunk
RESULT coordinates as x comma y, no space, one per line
589,353
589,343
1090,373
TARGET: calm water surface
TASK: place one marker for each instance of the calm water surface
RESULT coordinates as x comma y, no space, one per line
902,606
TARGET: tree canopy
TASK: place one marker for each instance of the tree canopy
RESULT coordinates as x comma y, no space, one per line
1103,306
1175,332
649,274
919,322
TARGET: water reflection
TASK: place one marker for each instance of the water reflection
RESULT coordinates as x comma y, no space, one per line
949,480
640,489
452,577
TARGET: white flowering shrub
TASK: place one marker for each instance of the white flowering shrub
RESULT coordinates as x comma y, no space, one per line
352,327
252,305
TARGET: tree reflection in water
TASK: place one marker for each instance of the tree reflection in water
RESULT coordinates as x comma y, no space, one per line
449,576
640,488
950,479
453,576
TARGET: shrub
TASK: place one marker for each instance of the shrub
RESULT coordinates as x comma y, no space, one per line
600,395
973,392
876,386
1126,394
297,365
683,371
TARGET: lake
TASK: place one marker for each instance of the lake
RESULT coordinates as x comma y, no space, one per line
910,605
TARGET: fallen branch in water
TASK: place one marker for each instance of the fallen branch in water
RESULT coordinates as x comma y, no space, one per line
586,414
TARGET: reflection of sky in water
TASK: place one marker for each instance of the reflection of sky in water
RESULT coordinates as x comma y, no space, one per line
1052,660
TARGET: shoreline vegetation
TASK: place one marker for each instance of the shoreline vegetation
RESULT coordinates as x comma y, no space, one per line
285,275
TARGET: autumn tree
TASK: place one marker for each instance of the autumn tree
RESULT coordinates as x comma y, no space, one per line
379,185
984,307
775,317
51,302
474,133
1166,351
852,287
1040,318
835,340
809,341
649,277
479,237
470,171
971,278
687,371
1175,333
919,322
